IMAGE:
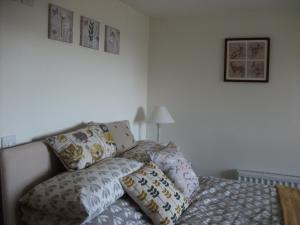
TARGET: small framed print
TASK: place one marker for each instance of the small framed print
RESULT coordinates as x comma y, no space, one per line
89,33
247,59
112,40
60,24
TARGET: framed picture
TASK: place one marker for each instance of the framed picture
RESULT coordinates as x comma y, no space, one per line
247,59
112,40
89,33
60,24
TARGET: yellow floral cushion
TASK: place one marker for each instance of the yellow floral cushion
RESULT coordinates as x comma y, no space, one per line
155,194
83,147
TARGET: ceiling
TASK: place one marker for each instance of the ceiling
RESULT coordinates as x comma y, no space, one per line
163,8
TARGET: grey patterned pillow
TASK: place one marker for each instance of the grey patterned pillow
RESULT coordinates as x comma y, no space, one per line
83,194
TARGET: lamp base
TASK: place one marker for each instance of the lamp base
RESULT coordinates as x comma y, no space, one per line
158,132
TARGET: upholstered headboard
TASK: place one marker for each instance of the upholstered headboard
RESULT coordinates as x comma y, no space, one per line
21,168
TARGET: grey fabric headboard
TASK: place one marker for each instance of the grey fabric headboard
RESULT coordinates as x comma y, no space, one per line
21,168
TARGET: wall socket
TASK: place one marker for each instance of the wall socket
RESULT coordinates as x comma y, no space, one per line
8,141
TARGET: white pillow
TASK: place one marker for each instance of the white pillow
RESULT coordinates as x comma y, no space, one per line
178,169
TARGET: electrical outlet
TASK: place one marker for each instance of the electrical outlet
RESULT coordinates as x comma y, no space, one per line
8,141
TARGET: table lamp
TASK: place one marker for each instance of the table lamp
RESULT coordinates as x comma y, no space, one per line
160,115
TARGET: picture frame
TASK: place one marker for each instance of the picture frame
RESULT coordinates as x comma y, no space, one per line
60,24
247,59
89,33
112,40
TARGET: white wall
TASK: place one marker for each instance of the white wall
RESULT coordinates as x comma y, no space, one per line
222,126
47,85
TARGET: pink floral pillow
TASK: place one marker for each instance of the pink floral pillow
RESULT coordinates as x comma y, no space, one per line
179,170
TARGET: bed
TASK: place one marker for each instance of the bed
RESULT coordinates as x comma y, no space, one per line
217,201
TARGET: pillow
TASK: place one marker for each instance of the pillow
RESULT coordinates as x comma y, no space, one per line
179,170
83,147
139,152
82,194
155,194
122,135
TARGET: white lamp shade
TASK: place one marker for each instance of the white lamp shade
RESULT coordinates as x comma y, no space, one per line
160,115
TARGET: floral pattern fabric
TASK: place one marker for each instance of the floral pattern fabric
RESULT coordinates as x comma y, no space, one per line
123,212
83,147
230,202
155,194
178,169
80,195
216,202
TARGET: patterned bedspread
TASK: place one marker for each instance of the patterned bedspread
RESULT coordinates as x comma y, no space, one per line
217,202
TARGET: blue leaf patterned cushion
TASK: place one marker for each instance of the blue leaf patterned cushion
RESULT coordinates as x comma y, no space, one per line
81,195
155,194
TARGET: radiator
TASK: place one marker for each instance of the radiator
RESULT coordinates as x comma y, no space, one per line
268,178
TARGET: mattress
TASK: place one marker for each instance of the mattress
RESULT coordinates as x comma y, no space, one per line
217,202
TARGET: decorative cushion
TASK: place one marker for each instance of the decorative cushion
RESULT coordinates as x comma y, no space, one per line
139,152
122,135
83,147
155,194
178,169
83,194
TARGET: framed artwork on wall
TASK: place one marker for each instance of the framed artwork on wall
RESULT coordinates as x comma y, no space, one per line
60,24
112,40
246,59
89,33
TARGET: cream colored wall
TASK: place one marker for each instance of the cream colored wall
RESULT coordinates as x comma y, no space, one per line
47,85
222,126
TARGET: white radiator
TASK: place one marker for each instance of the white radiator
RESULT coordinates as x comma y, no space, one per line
268,178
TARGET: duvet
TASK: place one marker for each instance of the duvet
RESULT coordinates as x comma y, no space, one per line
217,202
